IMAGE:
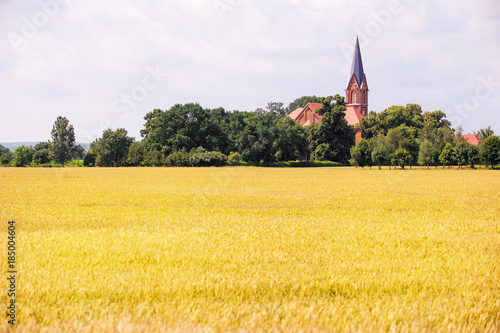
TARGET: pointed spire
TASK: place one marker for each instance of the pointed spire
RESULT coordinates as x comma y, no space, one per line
357,65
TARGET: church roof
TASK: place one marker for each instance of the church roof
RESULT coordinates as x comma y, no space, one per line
357,65
352,116
296,113
315,105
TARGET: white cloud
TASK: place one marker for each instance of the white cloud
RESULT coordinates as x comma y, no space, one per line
94,51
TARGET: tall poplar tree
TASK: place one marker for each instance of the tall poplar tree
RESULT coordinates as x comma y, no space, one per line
63,141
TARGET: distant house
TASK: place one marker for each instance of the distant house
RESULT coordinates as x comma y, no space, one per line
472,139
356,98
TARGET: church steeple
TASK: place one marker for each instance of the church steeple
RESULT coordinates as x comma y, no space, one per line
357,65
357,88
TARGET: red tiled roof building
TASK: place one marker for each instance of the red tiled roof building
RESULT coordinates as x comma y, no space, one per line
473,139
307,115
356,98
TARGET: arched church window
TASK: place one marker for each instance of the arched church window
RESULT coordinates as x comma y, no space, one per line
353,97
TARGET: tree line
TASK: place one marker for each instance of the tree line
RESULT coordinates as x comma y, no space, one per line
407,136
190,135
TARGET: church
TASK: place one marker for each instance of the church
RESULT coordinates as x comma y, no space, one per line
356,98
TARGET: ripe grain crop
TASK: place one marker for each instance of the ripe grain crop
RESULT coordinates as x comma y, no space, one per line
254,249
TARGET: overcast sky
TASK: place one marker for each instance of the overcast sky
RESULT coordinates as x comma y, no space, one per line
106,63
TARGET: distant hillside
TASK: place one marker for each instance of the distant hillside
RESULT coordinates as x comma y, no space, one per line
14,145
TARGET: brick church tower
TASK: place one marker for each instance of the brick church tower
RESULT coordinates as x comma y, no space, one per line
357,88
356,99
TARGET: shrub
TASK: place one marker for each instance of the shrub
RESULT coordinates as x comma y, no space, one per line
153,158
203,158
41,156
180,158
23,156
75,163
234,158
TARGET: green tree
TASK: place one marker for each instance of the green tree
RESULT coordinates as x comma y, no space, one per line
112,148
184,126
332,139
256,140
462,153
435,157
6,158
393,117
447,156
474,155
234,126
379,156
361,154
402,138
276,109
4,150
23,156
425,153
41,153
440,137
42,146
151,119
136,154
490,150
484,133
78,152
401,158
89,159
291,141
436,119
458,134
63,141
41,157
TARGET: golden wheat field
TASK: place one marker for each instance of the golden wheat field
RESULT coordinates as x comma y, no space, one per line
253,249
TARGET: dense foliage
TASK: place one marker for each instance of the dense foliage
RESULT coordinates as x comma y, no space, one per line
332,139
190,135
112,148
262,136
427,137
